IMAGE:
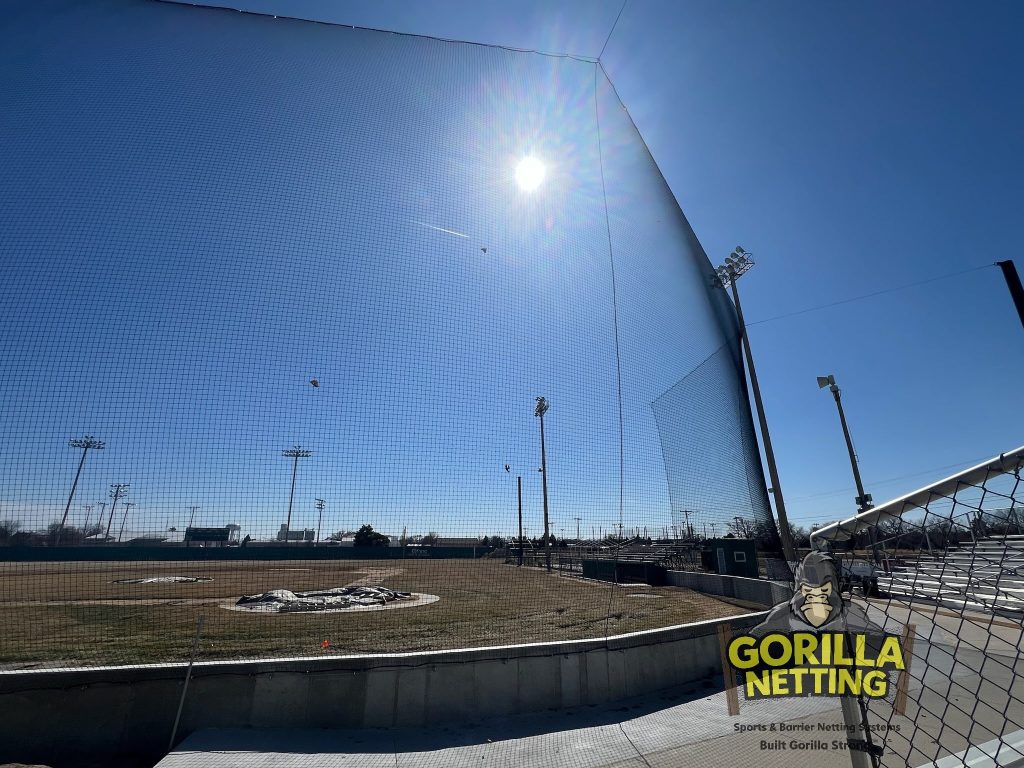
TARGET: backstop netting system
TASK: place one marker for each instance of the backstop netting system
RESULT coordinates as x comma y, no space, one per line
279,301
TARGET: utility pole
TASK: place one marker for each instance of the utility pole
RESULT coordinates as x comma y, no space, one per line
99,517
295,453
541,409
519,487
1013,283
320,508
686,516
192,515
736,264
577,519
85,443
88,514
127,505
117,490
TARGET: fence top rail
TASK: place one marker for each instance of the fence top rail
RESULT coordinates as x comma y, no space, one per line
977,475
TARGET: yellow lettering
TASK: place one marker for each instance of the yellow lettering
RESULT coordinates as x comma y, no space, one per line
780,682
839,657
849,681
805,646
891,653
798,680
819,673
761,682
744,644
860,649
783,658
875,683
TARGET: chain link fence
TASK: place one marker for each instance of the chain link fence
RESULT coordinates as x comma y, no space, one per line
944,568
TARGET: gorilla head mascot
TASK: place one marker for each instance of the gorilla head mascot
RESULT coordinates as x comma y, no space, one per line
817,605
816,598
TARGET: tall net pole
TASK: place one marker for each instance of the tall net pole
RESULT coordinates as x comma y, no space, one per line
542,408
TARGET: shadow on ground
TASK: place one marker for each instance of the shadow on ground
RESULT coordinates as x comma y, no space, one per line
428,739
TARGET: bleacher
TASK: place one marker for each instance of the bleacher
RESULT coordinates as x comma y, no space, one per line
986,575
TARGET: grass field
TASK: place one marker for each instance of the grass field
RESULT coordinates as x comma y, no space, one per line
70,614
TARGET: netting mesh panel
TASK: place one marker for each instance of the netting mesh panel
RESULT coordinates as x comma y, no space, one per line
949,577
707,479
268,262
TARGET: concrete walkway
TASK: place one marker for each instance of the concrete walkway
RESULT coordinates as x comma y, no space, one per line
673,728
957,696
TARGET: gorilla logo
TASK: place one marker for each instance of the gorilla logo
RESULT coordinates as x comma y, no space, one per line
817,604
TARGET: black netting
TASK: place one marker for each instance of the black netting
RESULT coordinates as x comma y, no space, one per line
269,262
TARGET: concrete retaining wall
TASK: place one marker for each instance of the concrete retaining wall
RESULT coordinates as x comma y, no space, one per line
766,593
49,716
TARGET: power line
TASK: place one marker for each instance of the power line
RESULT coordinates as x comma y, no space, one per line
825,494
612,30
868,295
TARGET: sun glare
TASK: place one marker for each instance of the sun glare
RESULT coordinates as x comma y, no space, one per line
529,173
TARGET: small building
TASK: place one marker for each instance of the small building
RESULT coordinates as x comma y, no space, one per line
306,534
731,557
445,541
211,537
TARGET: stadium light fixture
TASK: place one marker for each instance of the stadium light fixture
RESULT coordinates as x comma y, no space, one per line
738,263
297,452
85,443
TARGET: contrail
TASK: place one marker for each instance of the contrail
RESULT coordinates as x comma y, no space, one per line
441,229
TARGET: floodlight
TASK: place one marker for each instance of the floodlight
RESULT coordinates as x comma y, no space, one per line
826,381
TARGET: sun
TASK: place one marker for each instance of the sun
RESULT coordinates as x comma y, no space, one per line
530,173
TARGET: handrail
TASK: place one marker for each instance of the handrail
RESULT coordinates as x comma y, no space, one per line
845,529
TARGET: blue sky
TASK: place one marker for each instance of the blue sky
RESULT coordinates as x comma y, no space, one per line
851,150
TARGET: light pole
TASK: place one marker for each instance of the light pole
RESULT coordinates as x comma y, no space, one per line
85,443
127,505
540,410
117,490
1013,284
577,519
736,264
320,517
296,453
863,499
519,494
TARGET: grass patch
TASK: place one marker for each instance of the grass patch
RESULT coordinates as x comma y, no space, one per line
65,614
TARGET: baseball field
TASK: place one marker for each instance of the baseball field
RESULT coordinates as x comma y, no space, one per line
76,613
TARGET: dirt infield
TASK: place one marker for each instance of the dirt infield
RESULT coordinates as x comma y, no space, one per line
71,614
